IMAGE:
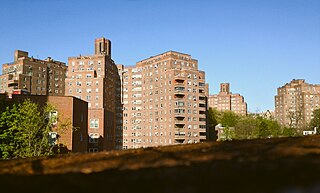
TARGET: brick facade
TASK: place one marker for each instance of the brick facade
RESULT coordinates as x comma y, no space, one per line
164,101
38,77
71,112
95,79
295,102
225,100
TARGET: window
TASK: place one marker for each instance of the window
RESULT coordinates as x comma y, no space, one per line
53,117
53,136
94,123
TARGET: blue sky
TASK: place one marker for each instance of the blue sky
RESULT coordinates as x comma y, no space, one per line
256,45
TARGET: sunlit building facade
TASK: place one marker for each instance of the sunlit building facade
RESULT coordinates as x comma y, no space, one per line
164,101
225,100
95,79
295,103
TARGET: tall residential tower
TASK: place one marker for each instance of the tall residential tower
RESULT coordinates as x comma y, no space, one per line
164,101
295,102
226,100
95,79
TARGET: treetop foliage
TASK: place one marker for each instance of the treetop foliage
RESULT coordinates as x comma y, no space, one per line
247,127
24,130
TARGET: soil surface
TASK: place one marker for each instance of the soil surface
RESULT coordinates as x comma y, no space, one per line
281,165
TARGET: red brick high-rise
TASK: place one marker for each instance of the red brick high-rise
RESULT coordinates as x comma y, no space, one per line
164,101
95,79
225,100
295,103
35,76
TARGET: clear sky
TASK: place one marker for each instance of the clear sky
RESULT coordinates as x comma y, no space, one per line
255,45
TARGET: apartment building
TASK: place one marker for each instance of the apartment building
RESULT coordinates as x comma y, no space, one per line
35,76
225,100
164,101
295,102
95,79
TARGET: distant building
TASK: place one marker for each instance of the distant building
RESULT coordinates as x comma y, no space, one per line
268,114
295,102
95,79
164,101
34,76
226,100
71,112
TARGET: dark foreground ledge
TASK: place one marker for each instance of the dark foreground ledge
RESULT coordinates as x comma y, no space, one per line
276,165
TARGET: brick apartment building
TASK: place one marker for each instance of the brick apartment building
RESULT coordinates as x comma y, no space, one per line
225,100
95,79
164,101
295,102
70,111
35,76
119,111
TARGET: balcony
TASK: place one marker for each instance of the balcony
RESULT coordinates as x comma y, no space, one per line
179,121
179,89
202,102
202,93
179,95
179,84
202,115
180,135
179,113
202,105
179,77
203,131
202,84
179,141
202,112
179,80
13,83
202,98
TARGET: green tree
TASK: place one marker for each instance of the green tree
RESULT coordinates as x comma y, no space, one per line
228,119
262,128
315,121
245,128
274,127
288,132
24,131
212,121
227,134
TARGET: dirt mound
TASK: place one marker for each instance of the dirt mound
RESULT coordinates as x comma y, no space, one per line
275,165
